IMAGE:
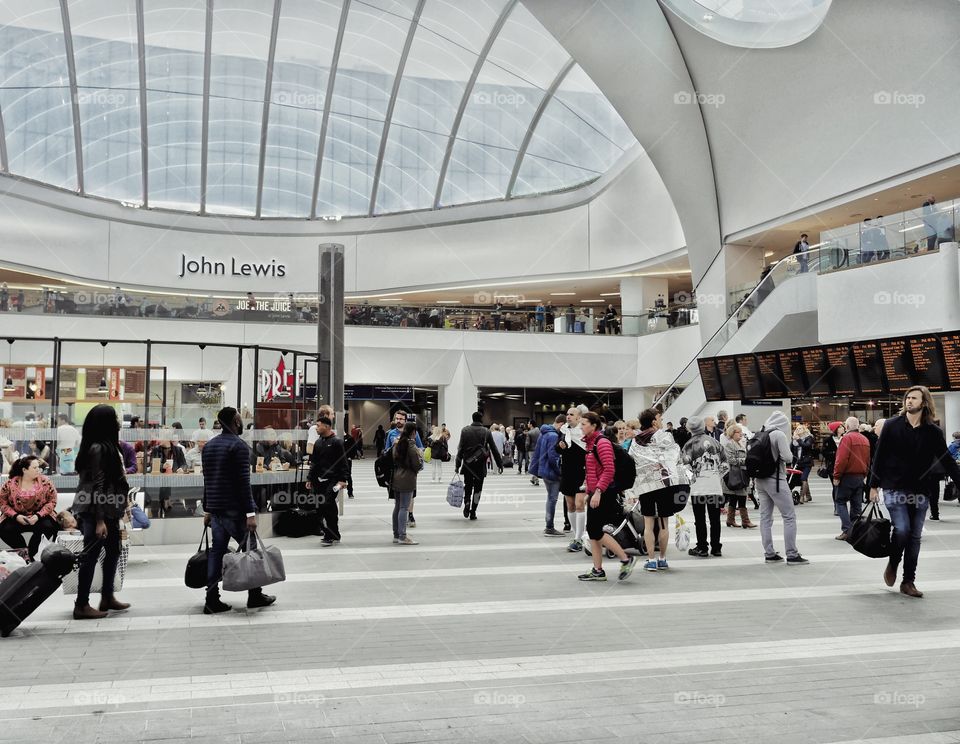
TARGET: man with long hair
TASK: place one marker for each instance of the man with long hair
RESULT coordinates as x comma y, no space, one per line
910,446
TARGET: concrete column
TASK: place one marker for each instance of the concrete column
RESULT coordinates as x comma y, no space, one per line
457,402
950,278
637,295
636,400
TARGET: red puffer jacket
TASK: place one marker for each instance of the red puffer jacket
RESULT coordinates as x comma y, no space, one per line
853,455
599,474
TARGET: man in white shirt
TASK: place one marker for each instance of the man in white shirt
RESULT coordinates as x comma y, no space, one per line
202,432
68,442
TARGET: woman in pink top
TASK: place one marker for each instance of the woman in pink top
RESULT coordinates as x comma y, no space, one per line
28,503
603,506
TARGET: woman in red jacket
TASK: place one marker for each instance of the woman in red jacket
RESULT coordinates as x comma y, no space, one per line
603,505
28,503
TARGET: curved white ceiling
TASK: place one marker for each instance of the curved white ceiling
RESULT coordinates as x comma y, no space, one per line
753,23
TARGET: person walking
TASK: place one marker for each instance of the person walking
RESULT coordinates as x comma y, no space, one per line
329,471
533,436
736,484
407,463
604,500
802,450
476,445
98,506
28,503
910,445
774,492
379,437
572,451
228,505
704,456
520,444
849,471
545,464
439,451
660,480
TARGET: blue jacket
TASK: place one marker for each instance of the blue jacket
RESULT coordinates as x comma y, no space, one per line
393,435
954,449
545,462
226,475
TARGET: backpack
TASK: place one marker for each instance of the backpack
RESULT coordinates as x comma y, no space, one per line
624,468
760,462
383,469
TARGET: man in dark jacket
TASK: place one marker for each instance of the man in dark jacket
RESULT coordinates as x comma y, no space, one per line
520,442
533,435
476,443
228,505
545,463
329,469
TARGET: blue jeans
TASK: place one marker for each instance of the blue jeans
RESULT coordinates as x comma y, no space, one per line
224,525
849,489
553,493
908,511
401,505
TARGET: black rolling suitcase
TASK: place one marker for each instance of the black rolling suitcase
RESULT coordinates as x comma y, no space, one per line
29,587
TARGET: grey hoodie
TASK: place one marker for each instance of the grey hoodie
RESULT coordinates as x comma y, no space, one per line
779,427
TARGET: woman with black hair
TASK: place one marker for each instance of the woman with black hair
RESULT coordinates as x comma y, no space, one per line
407,462
28,503
99,504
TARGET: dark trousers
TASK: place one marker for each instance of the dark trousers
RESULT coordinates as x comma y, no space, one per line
934,497
224,525
87,523
330,516
704,506
522,460
472,486
11,532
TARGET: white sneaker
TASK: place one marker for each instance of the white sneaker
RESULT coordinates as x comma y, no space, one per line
407,541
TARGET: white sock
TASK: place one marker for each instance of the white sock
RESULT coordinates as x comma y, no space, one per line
581,524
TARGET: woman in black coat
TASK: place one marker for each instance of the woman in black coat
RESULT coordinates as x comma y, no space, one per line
99,505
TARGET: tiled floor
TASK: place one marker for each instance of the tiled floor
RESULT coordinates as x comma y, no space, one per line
483,634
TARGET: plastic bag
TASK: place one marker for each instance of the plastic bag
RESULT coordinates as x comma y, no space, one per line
682,537
10,561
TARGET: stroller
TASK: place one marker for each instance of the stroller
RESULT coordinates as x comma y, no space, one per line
629,533
795,484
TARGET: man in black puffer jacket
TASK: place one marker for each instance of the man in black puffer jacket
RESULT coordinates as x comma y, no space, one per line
476,443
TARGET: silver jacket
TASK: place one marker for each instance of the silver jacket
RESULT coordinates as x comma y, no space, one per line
658,464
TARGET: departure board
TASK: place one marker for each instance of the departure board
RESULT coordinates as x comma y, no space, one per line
727,369
817,370
950,346
749,377
791,365
842,381
770,377
927,362
869,367
896,363
711,381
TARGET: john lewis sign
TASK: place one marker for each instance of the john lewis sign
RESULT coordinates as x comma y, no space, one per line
203,266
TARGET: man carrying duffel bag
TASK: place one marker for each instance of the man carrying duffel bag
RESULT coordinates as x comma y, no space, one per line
228,505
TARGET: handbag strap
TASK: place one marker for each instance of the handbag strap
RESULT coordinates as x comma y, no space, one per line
205,540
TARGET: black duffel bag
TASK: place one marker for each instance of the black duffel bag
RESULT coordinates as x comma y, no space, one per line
297,523
950,492
870,534
195,576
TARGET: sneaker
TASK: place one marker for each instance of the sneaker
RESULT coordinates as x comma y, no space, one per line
650,566
775,558
550,532
216,607
841,536
396,540
567,527
935,519
264,600
575,546
326,543
797,560
407,541
699,552
593,575
716,553
626,568
662,564
586,548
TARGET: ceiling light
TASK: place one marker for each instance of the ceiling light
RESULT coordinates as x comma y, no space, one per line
389,299
448,302
592,300
908,229
609,294
708,17
563,294
767,254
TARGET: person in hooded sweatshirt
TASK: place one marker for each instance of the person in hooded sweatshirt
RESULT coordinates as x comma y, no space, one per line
545,465
774,491
573,470
704,456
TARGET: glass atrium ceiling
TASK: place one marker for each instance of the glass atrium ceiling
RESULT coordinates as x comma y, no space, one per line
297,108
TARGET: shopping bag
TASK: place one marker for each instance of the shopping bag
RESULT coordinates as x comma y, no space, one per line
195,576
257,566
10,561
428,454
682,537
455,492
870,534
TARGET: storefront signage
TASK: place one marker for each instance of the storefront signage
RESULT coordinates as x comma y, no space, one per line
279,384
203,266
377,392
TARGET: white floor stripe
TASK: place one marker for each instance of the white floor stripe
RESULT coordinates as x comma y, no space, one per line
125,623
682,564
294,686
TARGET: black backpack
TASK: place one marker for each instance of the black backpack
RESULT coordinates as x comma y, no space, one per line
383,469
760,462
624,468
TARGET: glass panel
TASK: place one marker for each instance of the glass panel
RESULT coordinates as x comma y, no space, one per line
477,172
465,25
238,69
540,175
174,39
305,40
372,43
35,92
581,95
526,48
108,93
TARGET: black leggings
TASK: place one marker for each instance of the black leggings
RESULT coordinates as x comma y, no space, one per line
11,532
472,486
88,563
